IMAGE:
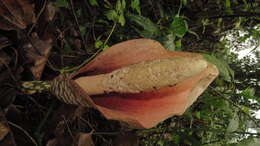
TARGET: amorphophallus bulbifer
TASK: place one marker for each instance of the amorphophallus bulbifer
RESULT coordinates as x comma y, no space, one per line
137,82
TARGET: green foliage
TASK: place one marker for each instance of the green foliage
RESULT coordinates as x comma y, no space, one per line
166,36
179,26
233,123
251,141
150,30
62,3
225,71
168,41
93,2
135,5
117,14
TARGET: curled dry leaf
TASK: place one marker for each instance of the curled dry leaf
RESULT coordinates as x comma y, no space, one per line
49,12
3,131
4,42
52,142
38,52
4,59
85,139
16,14
141,83
6,135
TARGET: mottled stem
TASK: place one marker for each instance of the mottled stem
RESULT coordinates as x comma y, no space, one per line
61,87
35,86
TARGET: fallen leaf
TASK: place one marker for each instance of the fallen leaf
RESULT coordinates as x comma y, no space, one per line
3,131
4,59
52,142
8,80
4,42
49,12
6,135
16,14
37,52
85,139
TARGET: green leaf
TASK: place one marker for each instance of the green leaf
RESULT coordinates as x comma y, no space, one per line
176,139
121,20
228,4
245,109
93,2
197,114
112,15
252,141
120,5
225,71
233,123
98,44
135,5
160,143
249,93
168,41
179,26
228,7
178,44
123,4
150,30
117,14
82,29
184,2
61,3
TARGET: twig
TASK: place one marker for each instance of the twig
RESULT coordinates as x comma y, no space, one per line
9,70
93,56
24,131
82,64
38,16
68,127
77,23
160,130
110,34
5,122
106,133
235,15
39,128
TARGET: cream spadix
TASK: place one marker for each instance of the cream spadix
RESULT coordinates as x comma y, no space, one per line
143,76
148,82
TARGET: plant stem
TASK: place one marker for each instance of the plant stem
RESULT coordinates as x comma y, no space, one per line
35,86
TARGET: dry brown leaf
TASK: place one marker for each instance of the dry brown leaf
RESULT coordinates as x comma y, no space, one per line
37,52
85,139
4,59
4,42
6,135
16,14
49,12
52,142
3,131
